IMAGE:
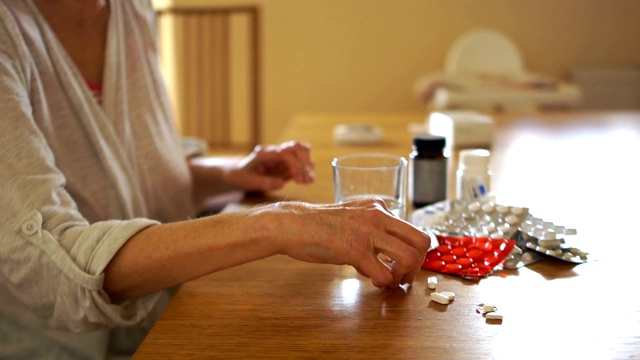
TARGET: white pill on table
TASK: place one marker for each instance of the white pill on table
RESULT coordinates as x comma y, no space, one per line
432,282
488,308
440,298
493,316
449,294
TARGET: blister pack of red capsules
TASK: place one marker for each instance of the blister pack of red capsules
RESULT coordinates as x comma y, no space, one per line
472,238
463,228
467,256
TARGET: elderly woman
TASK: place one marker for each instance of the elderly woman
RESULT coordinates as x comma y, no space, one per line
96,198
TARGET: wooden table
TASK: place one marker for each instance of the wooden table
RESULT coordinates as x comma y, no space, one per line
575,169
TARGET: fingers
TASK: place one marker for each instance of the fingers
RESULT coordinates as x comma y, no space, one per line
417,240
268,168
396,239
297,157
291,160
406,258
376,270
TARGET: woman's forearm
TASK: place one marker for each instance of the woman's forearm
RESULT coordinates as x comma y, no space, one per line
352,233
165,255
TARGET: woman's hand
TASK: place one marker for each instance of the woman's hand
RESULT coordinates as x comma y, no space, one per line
269,168
353,233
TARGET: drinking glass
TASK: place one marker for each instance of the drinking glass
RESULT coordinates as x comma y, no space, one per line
381,175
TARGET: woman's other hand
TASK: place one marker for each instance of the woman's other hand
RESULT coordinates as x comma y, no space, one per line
269,168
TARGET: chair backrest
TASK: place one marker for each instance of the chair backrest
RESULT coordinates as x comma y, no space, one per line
484,51
211,60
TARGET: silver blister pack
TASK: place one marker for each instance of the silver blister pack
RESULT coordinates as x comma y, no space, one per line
535,238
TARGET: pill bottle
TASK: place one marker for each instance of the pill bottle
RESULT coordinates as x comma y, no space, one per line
473,177
428,180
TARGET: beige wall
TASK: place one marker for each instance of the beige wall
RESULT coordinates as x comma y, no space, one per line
364,55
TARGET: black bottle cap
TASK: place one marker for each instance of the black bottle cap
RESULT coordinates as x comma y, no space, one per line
429,142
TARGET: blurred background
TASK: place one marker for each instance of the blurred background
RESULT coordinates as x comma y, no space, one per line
275,59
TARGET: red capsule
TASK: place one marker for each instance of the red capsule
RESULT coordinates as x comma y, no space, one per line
459,252
435,265
453,268
492,260
484,244
465,262
475,253
433,255
448,258
467,241
443,249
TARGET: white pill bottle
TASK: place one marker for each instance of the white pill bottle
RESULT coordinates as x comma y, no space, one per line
473,177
